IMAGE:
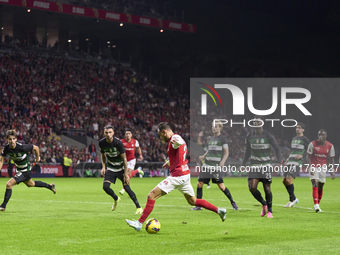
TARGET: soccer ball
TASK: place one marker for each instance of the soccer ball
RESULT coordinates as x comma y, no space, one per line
152,226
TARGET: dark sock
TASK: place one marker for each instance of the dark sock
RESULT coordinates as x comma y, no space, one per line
132,195
290,189
199,193
227,193
258,197
109,191
269,199
7,196
40,184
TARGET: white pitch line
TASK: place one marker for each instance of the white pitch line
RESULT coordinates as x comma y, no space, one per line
183,206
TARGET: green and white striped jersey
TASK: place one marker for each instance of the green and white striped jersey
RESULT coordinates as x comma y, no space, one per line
19,155
216,148
113,153
299,146
259,148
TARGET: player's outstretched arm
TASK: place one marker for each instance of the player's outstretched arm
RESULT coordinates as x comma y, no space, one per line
332,168
103,164
2,160
126,171
36,153
225,156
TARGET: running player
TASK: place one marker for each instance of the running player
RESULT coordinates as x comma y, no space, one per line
317,154
179,178
112,149
294,161
259,142
19,154
216,156
130,146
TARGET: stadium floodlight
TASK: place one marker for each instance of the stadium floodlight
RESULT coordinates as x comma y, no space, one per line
69,40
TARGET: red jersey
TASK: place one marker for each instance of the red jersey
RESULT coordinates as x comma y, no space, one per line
130,148
177,152
320,152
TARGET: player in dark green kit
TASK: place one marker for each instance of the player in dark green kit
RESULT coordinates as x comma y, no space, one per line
215,157
295,160
259,143
113,151
19,154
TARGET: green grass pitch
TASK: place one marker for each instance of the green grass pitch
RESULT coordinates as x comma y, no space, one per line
79,220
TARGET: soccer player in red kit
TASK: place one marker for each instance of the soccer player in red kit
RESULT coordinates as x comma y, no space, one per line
317,154
179,178
130,146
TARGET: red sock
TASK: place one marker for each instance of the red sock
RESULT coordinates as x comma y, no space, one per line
133,173
315,195
320,192
205,204
147,210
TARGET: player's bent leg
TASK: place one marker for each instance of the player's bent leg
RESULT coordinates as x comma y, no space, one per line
8,193
226,191
111,193
320,191
222,212
132,195
39,184
153,195
315,194
269,197
199,195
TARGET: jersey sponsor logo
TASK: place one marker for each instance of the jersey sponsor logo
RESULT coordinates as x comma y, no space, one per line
321,155
260,146
297,146
18,156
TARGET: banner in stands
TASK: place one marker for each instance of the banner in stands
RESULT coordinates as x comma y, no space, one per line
57,170
101,14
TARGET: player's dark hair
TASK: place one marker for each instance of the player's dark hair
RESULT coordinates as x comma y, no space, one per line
128,130
109,127
11,132
164,125
302,125
323,130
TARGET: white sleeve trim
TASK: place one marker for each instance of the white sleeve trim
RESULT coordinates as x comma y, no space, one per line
310,148
332,152
137,144
176,141
225,146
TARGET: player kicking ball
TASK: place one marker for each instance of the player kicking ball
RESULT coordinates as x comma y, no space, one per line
19,154
179,178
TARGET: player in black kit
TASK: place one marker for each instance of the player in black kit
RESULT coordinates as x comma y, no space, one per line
19,154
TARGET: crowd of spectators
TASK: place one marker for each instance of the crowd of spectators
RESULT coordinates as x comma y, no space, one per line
42,93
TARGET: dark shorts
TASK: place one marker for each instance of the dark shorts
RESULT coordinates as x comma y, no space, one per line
264,177
292,172
22,176
213,180
112,176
